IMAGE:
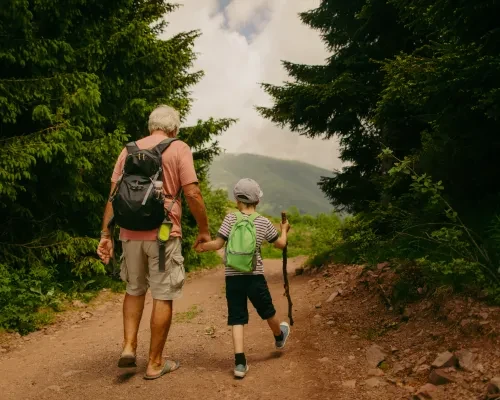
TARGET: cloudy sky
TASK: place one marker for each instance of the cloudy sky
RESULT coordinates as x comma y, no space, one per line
242,44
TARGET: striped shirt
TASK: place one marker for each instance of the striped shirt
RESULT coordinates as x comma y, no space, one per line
265,232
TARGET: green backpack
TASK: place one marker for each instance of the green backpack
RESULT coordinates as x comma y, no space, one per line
241,246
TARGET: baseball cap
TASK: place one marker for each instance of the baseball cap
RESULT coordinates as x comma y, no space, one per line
247,191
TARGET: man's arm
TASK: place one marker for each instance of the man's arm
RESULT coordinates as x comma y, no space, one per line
194,199
108,212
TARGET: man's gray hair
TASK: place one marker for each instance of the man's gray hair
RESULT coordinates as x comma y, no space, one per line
164,118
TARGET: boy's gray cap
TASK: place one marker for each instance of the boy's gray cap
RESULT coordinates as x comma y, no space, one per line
247,191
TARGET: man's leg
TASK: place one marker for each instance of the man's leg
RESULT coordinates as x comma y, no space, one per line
165,286
161,319
133,272
132,314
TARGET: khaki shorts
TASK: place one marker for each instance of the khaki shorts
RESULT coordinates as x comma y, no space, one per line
140,269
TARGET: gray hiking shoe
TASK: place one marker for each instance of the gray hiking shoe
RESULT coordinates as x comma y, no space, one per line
285,329
240,370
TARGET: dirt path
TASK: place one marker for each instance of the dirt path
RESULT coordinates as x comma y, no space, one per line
321,360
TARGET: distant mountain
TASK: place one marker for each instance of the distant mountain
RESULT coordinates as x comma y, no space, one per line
284,183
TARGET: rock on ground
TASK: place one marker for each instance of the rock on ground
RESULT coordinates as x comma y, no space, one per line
439,377
444,360
375,355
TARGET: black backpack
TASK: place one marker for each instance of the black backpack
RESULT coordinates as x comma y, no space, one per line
135,205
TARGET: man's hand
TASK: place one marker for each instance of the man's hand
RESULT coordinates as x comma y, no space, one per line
199,248
105,250
202,238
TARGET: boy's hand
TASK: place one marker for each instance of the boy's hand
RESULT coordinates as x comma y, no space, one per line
285,226
201,238
199,248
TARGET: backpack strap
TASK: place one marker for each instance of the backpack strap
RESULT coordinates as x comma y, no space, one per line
239,216
253,217
132,147
163,145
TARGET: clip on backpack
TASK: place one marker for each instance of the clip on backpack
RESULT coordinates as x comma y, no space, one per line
241,248
136,206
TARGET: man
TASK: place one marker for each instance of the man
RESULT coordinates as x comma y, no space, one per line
140,265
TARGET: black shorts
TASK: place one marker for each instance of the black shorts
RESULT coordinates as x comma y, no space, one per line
242,287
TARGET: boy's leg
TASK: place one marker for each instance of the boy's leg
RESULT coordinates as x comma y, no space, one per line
237,317
259,295
274,324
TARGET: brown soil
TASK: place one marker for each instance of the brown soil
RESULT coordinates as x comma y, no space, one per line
325,356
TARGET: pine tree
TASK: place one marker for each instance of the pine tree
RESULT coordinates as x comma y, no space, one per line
78,79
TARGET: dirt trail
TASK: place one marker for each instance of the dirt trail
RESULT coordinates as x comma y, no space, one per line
321,360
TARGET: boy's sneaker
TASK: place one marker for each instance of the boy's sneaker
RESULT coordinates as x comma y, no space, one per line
240,370
285,330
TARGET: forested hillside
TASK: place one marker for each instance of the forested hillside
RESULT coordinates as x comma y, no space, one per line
411,90
77,81
285,183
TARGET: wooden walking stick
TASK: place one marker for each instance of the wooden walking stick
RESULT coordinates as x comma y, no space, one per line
285,275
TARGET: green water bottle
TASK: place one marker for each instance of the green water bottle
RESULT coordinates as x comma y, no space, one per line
165,229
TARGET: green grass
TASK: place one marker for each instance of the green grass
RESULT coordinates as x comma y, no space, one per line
309,236
189,315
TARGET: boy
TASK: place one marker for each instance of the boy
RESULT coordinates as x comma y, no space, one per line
251,285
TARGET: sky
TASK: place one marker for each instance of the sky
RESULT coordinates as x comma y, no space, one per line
242,45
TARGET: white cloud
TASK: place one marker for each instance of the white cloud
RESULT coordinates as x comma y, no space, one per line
234,66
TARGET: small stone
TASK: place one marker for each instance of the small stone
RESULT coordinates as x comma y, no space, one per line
318,305
352,358
54,388
79,304
354,337
398,368
427,390
373,382
375,372
484,315
480,368
330,323
439,377
324,360
466,360
422,369
394,349
421,360
85,315
494,385
375,355
383,265
317,316
445,359
2,350
332,296
71,372
349,384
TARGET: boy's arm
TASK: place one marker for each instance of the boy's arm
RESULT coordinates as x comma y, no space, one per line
281,242
214,245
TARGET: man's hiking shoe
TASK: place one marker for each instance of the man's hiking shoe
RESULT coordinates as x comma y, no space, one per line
285,329
240,370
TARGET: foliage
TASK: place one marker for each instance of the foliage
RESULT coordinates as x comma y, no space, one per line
77,81
309,236
420,78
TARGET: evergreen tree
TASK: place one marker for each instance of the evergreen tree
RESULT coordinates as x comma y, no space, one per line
78,80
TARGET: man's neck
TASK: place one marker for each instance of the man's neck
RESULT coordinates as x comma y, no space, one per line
161,133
